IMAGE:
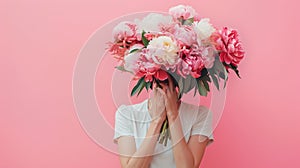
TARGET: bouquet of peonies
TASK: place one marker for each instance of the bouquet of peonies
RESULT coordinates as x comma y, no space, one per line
188,48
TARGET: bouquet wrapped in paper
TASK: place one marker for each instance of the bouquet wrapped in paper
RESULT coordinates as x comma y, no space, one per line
182,44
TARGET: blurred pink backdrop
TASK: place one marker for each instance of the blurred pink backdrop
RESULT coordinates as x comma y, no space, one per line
40,41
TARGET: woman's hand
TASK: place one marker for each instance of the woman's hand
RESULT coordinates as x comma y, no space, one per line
156,106
170,98
141,157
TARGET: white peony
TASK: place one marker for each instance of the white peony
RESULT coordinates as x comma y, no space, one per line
208,57
163,51
131,59
153,22
203,29
123,30
181,11
185,34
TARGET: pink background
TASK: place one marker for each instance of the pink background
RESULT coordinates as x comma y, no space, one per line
40,41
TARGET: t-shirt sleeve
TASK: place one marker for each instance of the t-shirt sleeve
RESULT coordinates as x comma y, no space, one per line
123,123
203,124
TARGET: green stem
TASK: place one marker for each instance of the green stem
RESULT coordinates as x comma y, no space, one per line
164,135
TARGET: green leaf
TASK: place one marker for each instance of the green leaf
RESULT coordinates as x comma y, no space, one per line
226,78
218,66
225,82
195,89
211,72
206,85
222,75
215,72
148,85
142,85
205,78
158,83
234,68
138,86
216,81
181,20
179,96
144,39
187,84
204,72
193,83
175,78
134,50
218,69
201,89
151,85
180,86
237,73
121,68
189,21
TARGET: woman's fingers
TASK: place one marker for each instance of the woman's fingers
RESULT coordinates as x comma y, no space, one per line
155,91
169,91
163,87
171,85
159,90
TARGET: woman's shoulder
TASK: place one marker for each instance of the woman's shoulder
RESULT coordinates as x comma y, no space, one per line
200,108
192,109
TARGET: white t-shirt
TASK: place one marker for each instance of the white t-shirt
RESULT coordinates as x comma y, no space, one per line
134,120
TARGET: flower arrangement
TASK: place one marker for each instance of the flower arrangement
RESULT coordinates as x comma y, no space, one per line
188,48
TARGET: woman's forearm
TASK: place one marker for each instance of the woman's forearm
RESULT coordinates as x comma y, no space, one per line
143,156
182,154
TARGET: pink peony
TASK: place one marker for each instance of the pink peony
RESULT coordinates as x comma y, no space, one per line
161,75
183,68
117,49
153,23
131,59
125,31
191,63
181,11
146,66
185,34
208,57
227,42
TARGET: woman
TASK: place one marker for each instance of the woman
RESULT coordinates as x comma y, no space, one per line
137,128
